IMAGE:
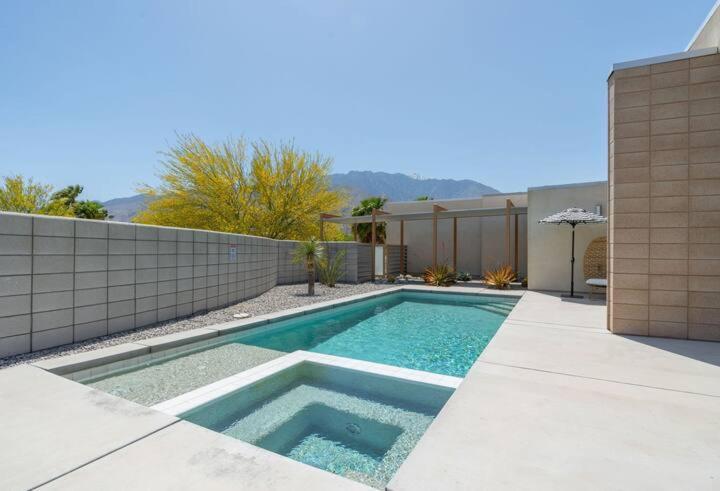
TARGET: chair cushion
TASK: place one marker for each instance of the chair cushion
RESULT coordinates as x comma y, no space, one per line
597,282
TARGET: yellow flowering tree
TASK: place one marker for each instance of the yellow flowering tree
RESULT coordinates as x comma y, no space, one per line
264,189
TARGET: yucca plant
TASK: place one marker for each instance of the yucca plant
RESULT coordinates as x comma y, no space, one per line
331,269
500,278
309,253
440,275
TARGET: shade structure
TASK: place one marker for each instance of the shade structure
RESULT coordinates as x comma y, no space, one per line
573,217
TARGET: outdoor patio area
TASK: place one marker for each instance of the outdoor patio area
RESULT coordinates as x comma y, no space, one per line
555,401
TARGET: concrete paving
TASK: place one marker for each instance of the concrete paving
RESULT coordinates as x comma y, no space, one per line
51,426
186,456
556,402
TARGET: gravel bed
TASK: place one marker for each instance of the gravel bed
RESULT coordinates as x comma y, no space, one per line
279,298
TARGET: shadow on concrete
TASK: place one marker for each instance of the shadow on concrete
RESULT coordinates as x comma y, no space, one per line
703,351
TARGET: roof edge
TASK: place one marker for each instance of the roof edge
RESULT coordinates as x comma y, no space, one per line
702,26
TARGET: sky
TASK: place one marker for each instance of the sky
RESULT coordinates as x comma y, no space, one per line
509,93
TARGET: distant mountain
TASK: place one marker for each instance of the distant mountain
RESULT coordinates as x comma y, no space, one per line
360,184
401,187
123,209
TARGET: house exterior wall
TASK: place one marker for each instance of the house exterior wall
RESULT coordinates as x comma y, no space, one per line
664,207
66,280
549,245
708,36
481,241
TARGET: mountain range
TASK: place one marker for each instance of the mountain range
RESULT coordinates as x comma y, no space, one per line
359,184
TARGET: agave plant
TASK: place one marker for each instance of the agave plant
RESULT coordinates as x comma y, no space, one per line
331,269
463,276
440,275
500,278
309,253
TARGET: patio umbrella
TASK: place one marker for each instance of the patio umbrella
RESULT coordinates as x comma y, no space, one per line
573,216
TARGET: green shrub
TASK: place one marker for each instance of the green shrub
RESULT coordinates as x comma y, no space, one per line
331,269
463,276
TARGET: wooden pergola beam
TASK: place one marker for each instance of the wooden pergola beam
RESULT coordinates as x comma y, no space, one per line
436,209
402,247
455,244
508,205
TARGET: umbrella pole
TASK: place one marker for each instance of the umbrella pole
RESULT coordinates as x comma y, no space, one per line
572,266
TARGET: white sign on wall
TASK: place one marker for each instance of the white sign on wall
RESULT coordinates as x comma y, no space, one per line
232,253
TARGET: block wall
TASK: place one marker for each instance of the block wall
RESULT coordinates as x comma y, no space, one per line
664,176
64,280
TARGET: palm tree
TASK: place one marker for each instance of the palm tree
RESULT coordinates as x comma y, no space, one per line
309,253
363,231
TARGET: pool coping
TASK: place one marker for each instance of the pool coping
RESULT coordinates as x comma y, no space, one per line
202,395
65,365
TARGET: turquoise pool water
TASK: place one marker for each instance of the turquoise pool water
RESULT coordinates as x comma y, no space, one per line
358,425
440,333
424,331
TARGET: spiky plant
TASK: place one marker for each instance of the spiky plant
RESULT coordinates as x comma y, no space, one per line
309,253
440,275
463,276
331,269
500,278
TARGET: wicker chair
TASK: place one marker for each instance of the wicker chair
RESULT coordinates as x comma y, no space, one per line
595,265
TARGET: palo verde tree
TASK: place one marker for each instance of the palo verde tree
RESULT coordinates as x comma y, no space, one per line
26,196
275,191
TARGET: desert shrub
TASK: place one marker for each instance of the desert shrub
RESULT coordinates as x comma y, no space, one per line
500,278
331,269
464,276
440,275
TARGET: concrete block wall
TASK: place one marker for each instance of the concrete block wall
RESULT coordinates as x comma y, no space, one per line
65,280
664,177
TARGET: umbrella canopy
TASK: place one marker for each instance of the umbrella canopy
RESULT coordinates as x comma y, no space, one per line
573,217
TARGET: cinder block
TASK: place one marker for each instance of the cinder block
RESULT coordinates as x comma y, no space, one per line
184,297
90,330
14,285
15,224
90,297
200,236
91,246
95,279
199,271
56,282
167,274
199,306
53,226
44,321
166,314
91,313
116,263
121,231
120,324
677,330
167,254
145,261
53,245
121,309
667,298
184,260
146,318
52,264
200,248
43,302
704,332
122,247
146,290
117,278
15,325
704,299
124,292
14,345
146,247
146,276
184,235
145,304
146,232
165,287
15,265
184,284
84,264
167,233
94,229
15,245
52,338
184,310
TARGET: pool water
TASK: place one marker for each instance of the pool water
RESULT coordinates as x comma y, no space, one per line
439,333
358,425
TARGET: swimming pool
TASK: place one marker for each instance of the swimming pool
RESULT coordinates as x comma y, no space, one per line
435,332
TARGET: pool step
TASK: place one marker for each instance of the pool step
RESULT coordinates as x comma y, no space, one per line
496,308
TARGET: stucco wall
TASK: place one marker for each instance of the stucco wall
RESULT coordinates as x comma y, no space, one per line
709,34
66,280
549,246
481,241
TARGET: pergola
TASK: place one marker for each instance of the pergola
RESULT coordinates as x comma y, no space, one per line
438,213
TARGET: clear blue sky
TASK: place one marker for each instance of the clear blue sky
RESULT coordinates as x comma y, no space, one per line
510,93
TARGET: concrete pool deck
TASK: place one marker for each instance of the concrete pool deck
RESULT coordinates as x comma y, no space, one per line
554,402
